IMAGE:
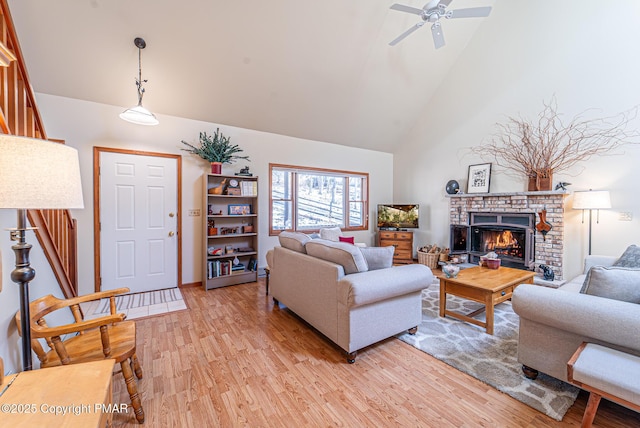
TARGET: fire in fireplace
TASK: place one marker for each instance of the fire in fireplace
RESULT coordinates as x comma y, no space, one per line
510,235
502,241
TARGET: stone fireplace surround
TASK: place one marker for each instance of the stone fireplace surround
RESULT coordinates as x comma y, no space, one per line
548,251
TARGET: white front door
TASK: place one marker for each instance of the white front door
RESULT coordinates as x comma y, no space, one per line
138,222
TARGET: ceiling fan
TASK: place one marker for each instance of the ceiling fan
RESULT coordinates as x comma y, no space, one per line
432,12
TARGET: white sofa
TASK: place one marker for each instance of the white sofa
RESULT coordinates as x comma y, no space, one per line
554,322
353,300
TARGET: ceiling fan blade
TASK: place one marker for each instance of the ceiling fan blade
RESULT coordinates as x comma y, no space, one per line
445,3
438,37
409,9
405,34
472,12
431,5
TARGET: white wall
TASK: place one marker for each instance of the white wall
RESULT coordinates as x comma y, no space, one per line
522,55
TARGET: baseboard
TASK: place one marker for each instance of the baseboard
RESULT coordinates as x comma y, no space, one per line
191,285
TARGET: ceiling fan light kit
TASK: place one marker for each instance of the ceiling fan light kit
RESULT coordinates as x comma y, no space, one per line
432,12
138,114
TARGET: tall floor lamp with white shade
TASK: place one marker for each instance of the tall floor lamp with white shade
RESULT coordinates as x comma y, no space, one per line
34,174
591,200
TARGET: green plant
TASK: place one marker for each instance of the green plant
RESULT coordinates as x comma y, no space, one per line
216,148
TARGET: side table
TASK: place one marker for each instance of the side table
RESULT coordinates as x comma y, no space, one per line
76,395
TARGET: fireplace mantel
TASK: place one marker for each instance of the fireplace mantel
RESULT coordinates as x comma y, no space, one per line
549,249
490,195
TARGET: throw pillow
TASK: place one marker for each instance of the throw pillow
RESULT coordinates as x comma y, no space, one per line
347,239
293,241
630,258
616,283
348,256
331,233
378,257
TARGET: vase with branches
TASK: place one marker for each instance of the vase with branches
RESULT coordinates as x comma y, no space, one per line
216,149
541,147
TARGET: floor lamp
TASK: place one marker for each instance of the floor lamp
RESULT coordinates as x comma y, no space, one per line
34,174
591,200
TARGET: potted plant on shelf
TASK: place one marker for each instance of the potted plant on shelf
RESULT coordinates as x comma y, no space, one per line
216,149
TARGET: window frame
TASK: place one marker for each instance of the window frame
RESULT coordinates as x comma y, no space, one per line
346,202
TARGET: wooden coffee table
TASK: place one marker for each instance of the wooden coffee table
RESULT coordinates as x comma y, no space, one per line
483,285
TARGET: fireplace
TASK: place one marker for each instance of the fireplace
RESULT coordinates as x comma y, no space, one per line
498,209
510,235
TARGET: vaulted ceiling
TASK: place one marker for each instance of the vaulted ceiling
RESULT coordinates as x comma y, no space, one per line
319,70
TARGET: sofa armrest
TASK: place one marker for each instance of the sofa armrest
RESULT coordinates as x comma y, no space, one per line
593,260
269,258
608,320
363,288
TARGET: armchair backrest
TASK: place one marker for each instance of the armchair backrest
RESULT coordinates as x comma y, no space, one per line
44,306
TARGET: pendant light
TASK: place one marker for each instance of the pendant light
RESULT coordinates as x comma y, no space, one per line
138,114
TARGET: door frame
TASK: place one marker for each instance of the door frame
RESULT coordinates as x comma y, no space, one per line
96,206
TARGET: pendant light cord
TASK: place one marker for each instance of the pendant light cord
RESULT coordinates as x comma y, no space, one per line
139,80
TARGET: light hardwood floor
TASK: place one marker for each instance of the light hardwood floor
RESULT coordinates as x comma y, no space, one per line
234,360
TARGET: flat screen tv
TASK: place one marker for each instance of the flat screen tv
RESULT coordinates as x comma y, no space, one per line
392,217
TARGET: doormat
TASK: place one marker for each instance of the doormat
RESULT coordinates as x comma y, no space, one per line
139,305
491,359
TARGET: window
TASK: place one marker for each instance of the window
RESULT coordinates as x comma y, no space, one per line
308,199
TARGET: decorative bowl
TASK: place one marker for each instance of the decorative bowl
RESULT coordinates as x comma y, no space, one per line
450,271
493,263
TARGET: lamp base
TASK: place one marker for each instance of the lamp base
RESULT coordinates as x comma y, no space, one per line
22,275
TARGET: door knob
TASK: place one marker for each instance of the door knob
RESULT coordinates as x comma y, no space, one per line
171,233
171,214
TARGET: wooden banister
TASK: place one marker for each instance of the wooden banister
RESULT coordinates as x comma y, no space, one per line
56,229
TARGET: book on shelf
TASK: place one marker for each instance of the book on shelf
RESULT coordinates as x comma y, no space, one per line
249,188
216,268
225,268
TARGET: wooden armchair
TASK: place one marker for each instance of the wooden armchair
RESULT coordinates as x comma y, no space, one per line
109,336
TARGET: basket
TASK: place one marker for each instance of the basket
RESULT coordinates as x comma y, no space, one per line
428,259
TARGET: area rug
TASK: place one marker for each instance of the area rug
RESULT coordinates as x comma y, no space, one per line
138,305
490,359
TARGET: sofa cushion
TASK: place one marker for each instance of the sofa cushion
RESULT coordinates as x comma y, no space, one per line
348,256
347,239
617,283
630,258
294,241
378,257
331,233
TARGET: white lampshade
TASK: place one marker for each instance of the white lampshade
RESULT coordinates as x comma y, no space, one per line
591,200
38,174
139,115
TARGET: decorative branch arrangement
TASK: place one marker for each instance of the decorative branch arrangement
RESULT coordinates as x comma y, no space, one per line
538,148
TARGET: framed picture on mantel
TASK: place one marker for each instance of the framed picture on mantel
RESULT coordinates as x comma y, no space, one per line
479,178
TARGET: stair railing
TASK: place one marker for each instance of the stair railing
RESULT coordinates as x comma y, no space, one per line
56,229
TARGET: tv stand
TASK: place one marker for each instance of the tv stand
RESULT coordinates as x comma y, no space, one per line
402,240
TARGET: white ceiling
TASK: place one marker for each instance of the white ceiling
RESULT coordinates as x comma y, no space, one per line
319,70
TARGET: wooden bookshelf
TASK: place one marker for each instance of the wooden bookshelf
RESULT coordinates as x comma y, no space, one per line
230,229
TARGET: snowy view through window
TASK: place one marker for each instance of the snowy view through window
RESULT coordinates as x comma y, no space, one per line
320,200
